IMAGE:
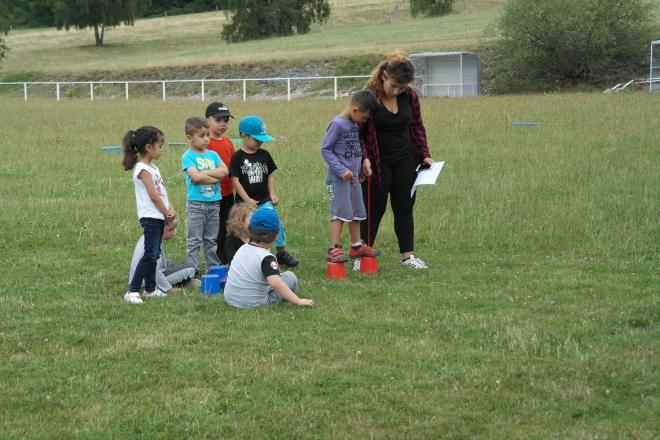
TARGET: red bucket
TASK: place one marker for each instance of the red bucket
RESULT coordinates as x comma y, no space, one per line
336,271
369,264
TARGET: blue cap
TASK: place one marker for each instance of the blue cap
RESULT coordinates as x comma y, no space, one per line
254,127
265,219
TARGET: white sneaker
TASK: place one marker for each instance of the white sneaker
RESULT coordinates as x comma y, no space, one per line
356,265
415,263
155,294
133,298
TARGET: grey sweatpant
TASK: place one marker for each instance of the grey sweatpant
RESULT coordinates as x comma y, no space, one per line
203,225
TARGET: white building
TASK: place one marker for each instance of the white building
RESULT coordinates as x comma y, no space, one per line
447,73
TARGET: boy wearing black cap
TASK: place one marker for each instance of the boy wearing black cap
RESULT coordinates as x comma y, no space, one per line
217,116
254,278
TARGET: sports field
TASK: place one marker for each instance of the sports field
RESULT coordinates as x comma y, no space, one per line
538,316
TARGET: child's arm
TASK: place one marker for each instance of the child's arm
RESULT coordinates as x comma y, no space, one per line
218,172
271,189
201,178
327,151
145,177
279,286
242,193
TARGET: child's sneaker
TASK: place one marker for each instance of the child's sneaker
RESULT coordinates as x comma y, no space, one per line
155,294
363,251
335,255
133,298
414,262
356,265
284,258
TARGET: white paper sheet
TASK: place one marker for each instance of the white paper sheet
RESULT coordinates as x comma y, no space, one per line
427,176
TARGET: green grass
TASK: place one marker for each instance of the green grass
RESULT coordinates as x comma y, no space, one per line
355,28
538,317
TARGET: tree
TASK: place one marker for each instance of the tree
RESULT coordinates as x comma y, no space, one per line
255,19
554,43
97,14
30,13
430,8
4,28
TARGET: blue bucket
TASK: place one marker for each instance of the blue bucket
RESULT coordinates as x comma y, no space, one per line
210,285
219,270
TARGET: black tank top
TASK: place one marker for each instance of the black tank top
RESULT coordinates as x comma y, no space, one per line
393,131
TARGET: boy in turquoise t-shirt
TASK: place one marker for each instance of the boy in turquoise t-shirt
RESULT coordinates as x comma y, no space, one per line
203,169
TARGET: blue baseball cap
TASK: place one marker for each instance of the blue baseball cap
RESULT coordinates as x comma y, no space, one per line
254,127
265,219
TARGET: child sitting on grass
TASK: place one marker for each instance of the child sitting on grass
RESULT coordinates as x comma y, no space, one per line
237,229
170,277
254,276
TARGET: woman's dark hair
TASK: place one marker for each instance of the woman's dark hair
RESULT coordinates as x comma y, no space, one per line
397,66
262,236
135,143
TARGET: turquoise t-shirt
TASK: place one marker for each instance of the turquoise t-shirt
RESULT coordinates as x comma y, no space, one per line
208,160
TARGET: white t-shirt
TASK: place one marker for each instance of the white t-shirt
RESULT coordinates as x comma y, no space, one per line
145,207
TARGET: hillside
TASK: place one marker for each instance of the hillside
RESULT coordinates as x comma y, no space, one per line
167,47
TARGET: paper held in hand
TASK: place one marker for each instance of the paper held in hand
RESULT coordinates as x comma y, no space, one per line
427,176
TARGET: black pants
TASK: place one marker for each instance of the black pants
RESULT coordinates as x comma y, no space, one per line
397,181
225,205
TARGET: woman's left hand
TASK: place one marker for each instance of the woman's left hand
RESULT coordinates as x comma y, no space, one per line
428,161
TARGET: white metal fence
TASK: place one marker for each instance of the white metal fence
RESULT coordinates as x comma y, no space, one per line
200,85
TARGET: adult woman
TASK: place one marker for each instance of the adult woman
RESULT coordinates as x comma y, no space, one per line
393,145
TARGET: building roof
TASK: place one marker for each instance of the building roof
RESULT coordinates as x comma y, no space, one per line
439,54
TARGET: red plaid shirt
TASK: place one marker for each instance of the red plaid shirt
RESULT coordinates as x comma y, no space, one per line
369,141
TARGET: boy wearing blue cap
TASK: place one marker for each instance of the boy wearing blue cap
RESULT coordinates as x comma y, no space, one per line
254,278
251,170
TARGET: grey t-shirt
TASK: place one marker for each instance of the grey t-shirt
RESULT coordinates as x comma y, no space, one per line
246,283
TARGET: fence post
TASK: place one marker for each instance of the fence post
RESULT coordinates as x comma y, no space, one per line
164,95
203,97
91,91
57,91
335,88
25,91
288,89
126,90
244,91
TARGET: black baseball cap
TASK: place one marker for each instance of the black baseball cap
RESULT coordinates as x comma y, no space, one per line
218,110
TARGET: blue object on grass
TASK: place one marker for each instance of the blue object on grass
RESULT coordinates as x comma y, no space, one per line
525,124
210,285
113,149
219,270
119,149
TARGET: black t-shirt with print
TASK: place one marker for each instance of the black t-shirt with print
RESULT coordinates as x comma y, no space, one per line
252,170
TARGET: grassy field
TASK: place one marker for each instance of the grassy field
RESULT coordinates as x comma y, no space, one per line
538,317
355,28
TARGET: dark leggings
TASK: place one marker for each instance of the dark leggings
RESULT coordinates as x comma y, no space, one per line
225,205
397,181
146,268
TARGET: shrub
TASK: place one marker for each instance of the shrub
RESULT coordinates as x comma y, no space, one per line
552,44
